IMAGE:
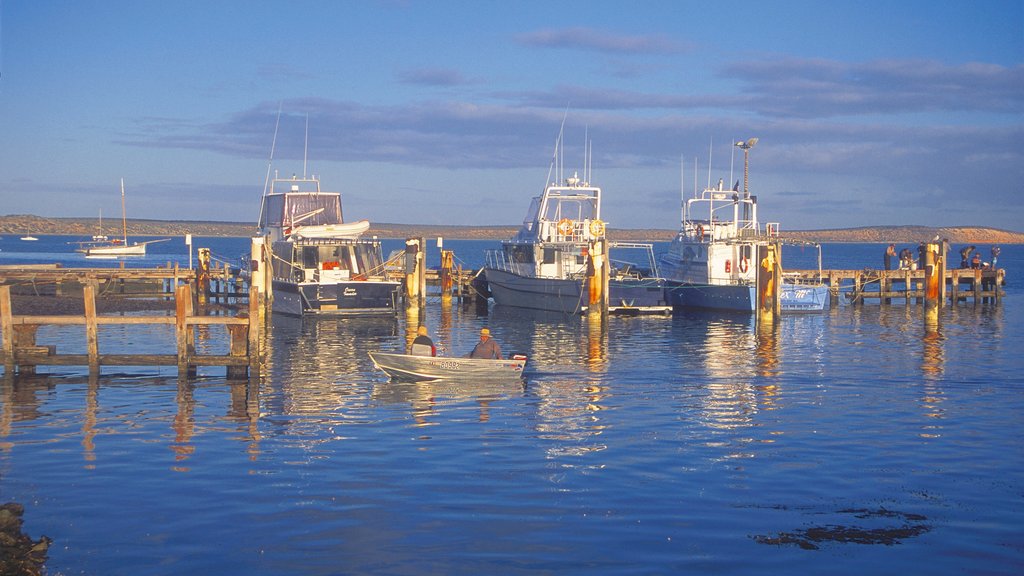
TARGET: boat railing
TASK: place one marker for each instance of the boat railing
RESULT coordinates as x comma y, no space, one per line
569,230
498,260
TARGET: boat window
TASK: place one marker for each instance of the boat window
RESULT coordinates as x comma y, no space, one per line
309,257
531,212
571,208
549,255
520,254
282,263
272,211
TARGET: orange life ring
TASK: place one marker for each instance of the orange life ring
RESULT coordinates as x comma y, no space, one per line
565,227
743,264
700,233
596,228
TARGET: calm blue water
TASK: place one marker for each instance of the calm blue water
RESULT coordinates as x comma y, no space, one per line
854,442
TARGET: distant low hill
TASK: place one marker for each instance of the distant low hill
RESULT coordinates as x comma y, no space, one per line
27,224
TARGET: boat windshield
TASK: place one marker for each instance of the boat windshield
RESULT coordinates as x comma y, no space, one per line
307,209
578,209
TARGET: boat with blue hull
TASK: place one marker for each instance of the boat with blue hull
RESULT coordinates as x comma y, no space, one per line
714,263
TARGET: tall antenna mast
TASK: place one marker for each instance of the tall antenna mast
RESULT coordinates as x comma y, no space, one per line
682,187
124,215
694,176
711,148
588,151
305,149
270,161
732,161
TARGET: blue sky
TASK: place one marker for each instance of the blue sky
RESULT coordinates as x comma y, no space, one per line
867,113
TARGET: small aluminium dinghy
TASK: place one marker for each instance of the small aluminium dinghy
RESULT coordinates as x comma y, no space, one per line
418,368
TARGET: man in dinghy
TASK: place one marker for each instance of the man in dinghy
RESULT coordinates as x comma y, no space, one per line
422,345
487,347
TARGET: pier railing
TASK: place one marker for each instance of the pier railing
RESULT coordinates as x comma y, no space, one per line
21,353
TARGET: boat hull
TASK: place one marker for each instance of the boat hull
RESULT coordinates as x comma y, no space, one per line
349,298
643,296
792,297
737,298
419,368
552,294
803,297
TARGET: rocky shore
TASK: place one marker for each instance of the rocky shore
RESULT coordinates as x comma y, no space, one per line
19,554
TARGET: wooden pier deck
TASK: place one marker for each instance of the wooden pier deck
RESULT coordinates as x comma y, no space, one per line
907,286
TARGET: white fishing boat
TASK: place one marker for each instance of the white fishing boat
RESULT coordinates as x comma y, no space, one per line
545,265
103,247
420,368
322,265
713,260
29,238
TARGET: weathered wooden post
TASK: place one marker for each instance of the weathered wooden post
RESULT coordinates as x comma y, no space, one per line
203,276
977,286
941,264
597,278
260,273
185,339
447,260
932,276
415,275
7,329
239,347
421,271
768,274
908,286
92,342
254,329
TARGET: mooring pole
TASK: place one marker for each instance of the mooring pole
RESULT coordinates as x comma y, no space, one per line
767,286
932,276
6,329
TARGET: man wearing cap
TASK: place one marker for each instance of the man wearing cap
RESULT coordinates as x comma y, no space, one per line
422,345
487,347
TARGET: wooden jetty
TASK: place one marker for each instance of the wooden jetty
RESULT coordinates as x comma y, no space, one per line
908,286
20,352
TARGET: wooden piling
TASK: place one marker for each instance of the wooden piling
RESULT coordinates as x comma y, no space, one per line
447,259
7,329
932,278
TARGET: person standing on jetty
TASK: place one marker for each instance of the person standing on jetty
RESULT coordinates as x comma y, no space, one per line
422,345
995,256
487,347
890,253
965,255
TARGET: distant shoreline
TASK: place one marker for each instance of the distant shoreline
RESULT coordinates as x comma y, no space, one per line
27,224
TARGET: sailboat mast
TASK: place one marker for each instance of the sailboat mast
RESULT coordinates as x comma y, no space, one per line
124,215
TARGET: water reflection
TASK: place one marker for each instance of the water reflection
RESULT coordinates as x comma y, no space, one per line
183,424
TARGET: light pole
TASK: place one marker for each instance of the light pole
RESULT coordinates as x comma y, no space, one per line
746,146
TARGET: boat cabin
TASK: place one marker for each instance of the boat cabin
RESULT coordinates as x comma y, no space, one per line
559,227
297,202
327,260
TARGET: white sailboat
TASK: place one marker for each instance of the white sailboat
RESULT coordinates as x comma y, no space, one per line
104,248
